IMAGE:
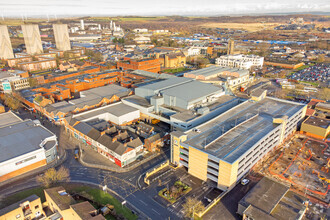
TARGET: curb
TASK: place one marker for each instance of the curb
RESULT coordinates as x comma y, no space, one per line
121,170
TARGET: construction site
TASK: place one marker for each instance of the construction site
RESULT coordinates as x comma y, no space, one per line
302,162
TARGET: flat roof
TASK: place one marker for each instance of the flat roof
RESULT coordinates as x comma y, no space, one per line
8,118
318,122
191,91
21,138
211,70
234,132
165,84
84,210
265,195
138,101
117,109
62,199
188,115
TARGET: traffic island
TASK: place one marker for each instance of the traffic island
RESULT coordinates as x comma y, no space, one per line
172,194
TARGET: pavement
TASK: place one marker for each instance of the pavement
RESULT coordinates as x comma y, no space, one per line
227,206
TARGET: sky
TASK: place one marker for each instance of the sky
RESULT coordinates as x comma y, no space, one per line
52,8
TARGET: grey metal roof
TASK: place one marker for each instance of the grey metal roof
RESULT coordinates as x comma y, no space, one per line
8,118
94,96
165,84
192,90
21,138
217,70
63,106
117,109
153,75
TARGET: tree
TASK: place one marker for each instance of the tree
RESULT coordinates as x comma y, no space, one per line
191,206
53,176
321,58
323,94
33,82
12,102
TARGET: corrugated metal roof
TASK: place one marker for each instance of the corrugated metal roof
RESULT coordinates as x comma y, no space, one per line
192,90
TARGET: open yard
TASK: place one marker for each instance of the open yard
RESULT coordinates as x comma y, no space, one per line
252,27
303,162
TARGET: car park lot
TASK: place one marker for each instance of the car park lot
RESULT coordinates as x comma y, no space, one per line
318,73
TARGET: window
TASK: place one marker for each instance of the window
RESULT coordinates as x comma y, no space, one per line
36,207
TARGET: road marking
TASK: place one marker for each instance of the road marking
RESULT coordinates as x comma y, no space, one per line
130,179
133,195
144,203
155,211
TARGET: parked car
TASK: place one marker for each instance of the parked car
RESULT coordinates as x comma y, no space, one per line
197,130
245,181
76,153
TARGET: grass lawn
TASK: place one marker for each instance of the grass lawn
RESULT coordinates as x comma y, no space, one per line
177,70
177,184
21,195
103,198
301,68
311,83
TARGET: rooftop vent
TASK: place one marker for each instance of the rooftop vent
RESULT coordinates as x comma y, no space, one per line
62,193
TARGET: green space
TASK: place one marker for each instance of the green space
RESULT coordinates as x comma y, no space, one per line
177,70
39,191
103,198
311,83
302,67
94,194
175,192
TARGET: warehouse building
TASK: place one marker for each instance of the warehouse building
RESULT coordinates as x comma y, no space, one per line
181,102
24,145
117,113
225,148
272,200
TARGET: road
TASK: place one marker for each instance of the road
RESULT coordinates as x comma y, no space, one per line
124,184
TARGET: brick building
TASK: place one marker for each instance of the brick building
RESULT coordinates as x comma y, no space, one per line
151,65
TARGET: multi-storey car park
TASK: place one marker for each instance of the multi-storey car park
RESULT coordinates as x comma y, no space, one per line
225,148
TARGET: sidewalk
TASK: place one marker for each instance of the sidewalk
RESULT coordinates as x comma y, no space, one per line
91,158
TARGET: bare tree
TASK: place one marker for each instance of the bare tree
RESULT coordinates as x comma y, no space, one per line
191,206
53,176
11,101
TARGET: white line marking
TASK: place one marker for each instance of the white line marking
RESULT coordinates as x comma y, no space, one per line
144,203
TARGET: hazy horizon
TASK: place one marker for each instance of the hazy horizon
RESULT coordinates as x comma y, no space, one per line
72,8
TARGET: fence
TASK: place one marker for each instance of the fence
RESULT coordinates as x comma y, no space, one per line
209,206
155,170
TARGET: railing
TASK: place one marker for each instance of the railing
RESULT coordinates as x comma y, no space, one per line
155,170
